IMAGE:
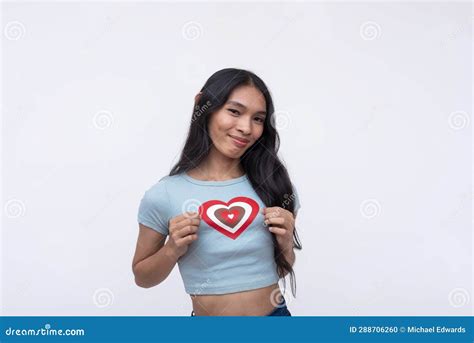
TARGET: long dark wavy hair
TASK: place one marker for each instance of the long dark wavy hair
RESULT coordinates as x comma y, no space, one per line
265,171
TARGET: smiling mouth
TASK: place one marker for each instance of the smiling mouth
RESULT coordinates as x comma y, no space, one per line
238,142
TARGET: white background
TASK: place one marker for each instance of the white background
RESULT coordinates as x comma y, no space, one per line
375,117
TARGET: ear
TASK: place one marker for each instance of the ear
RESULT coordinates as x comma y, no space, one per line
197,97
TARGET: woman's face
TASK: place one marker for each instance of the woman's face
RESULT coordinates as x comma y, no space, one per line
238,124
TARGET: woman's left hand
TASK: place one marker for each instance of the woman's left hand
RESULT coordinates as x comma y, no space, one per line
282,223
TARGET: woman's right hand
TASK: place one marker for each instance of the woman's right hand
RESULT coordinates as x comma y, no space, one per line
182,232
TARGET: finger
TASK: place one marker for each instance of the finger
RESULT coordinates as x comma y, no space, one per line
187,230
274,221
183,216
185,222
271,212
277,230
190,214
269,209
188,221
187,239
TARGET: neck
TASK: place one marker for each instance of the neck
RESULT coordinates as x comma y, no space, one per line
218,167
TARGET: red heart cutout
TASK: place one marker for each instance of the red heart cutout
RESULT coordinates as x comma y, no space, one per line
229,218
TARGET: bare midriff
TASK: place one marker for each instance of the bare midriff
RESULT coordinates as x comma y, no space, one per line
255,302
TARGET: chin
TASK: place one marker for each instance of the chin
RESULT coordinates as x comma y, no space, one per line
235,154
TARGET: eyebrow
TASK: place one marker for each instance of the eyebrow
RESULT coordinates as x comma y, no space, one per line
238,104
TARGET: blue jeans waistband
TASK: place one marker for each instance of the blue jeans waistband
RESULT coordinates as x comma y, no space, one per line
280,309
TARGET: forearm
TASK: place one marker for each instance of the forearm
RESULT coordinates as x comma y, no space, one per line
155,269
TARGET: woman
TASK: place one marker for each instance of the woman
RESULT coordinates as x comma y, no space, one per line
239,240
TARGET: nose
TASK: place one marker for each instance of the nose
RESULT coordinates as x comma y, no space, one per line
244,126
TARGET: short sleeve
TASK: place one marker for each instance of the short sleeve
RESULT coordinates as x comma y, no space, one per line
153,208
296,199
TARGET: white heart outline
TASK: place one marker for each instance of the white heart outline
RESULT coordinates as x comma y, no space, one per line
212,209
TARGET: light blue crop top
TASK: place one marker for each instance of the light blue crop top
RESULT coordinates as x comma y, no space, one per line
234,249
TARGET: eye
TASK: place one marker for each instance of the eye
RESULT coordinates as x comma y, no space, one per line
261,120
232,110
